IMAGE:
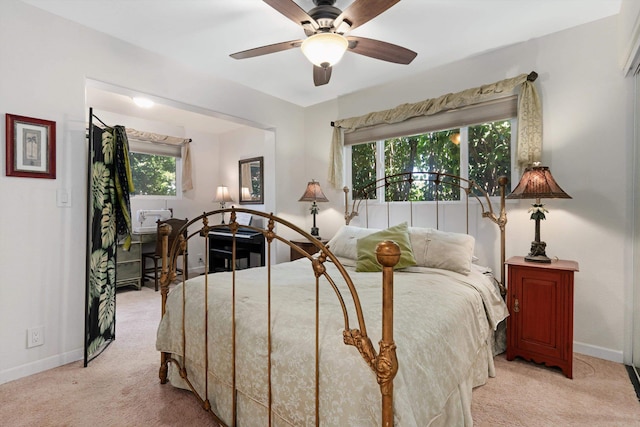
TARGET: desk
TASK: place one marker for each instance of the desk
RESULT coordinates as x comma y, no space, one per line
221,241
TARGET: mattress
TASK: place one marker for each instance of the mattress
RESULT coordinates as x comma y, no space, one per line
444,326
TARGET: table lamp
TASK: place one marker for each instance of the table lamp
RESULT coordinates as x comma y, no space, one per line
314,194
223,196
537,183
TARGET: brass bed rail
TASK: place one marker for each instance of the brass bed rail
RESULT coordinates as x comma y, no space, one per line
383,362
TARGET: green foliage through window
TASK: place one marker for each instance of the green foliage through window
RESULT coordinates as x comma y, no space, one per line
153,175
363,160
435,151
489,156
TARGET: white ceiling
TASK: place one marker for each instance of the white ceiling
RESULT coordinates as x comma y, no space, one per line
203,33
105,97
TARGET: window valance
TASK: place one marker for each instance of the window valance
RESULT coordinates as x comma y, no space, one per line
408,117
153,143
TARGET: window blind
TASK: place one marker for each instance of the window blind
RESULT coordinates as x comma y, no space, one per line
157,148
490,111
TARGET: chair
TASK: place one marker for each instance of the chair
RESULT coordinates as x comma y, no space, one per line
152,272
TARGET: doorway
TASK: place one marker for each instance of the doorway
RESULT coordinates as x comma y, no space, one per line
213,164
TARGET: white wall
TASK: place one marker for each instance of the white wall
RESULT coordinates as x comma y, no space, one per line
587,107
247,143
45,63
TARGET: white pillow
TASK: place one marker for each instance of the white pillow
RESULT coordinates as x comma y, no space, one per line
439,249
450,251
419,238
343,244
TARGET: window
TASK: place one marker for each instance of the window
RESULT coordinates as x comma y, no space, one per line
480,152
155,169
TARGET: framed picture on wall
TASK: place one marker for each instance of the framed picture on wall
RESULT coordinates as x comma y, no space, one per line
31,147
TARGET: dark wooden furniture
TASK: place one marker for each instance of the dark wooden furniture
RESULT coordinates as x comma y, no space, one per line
156,256
306,246
248,242
540,301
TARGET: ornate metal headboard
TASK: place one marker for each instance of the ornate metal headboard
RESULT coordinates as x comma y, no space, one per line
438,184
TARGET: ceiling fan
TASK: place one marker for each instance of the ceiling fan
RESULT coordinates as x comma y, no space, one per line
325,27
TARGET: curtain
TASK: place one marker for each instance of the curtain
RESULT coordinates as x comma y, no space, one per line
124,185
185,154
245,177
529,146
109,221
101,284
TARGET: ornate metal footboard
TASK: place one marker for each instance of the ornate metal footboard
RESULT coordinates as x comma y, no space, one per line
382,362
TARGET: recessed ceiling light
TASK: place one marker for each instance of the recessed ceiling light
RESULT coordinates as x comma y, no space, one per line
143,102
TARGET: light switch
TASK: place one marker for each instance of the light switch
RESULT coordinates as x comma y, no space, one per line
63,197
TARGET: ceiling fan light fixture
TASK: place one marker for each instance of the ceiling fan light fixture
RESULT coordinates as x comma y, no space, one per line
324,49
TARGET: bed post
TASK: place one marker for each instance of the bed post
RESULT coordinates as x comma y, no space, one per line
348,216
386,363
502,222
165,230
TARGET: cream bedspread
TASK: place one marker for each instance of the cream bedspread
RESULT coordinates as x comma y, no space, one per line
443,331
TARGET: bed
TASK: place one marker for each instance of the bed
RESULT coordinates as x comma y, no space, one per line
268,347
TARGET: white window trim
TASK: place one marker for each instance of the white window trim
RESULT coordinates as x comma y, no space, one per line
464,161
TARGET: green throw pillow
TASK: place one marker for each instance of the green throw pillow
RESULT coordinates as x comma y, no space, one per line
366,248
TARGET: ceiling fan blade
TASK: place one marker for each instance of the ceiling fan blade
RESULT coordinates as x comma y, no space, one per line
321,75
362,11
264,50
292,11
380,50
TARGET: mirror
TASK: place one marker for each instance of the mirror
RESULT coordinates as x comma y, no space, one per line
251,181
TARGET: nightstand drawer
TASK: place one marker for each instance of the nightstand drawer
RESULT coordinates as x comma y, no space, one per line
128,270
133,254
129,264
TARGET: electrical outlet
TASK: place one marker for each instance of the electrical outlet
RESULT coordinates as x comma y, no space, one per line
35,336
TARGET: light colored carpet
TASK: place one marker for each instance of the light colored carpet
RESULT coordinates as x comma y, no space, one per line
121,387
528,394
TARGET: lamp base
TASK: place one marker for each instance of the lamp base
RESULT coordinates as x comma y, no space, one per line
315,232
538,258
537,253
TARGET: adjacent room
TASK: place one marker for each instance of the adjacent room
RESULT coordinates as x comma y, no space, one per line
320,212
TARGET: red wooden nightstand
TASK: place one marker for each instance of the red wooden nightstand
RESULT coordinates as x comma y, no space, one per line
540,302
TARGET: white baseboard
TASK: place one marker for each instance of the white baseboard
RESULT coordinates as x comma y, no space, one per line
40,365
599,352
